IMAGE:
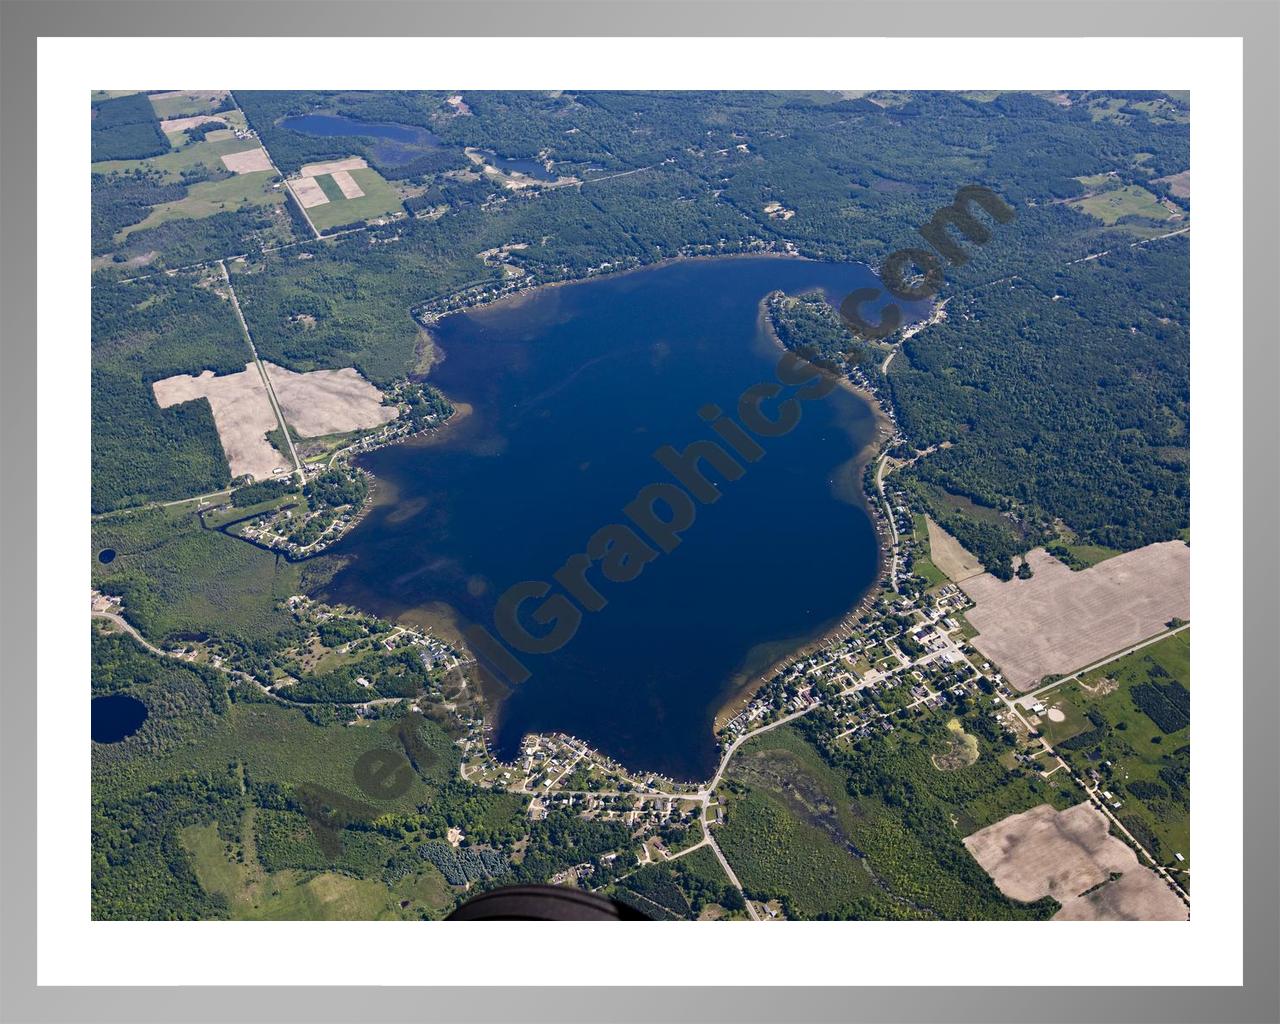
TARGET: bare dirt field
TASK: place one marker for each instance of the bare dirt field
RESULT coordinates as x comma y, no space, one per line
948,554
1071,856
181,124
1060,620
308,192
349,186
248,161
241,411
350,163
328,401
1179,184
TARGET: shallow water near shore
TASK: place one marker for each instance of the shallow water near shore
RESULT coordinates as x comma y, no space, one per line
572,389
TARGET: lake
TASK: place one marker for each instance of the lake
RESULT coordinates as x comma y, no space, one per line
398,145
525,165
570,391
330,125
115,717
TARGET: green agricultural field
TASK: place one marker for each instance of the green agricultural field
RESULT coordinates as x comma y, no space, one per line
210,197
330,188
1150,759
1126,201
379,200
184,155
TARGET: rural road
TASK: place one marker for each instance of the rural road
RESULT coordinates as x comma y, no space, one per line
1163,635
724,864
271,394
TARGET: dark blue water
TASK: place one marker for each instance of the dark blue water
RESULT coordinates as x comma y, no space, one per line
525,165
571,390
331,125
116,717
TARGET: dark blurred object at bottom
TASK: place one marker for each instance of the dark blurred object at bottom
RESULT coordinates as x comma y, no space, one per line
543,903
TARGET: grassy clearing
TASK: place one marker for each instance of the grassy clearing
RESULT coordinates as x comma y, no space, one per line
1127,201
254,894
379,199
1082,556
922,563
210,197
187,103
1096,181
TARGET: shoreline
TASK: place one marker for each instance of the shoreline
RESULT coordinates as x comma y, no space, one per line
426,317
884,429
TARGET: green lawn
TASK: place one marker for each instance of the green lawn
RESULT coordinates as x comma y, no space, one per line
379,199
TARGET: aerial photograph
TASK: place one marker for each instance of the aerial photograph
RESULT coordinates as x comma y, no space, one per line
644,505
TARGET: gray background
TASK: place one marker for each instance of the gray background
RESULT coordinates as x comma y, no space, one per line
1257,22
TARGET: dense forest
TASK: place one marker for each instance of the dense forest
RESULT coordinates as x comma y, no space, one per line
126,128
143,332
1064,395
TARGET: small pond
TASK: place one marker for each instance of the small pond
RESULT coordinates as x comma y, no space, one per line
116,717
